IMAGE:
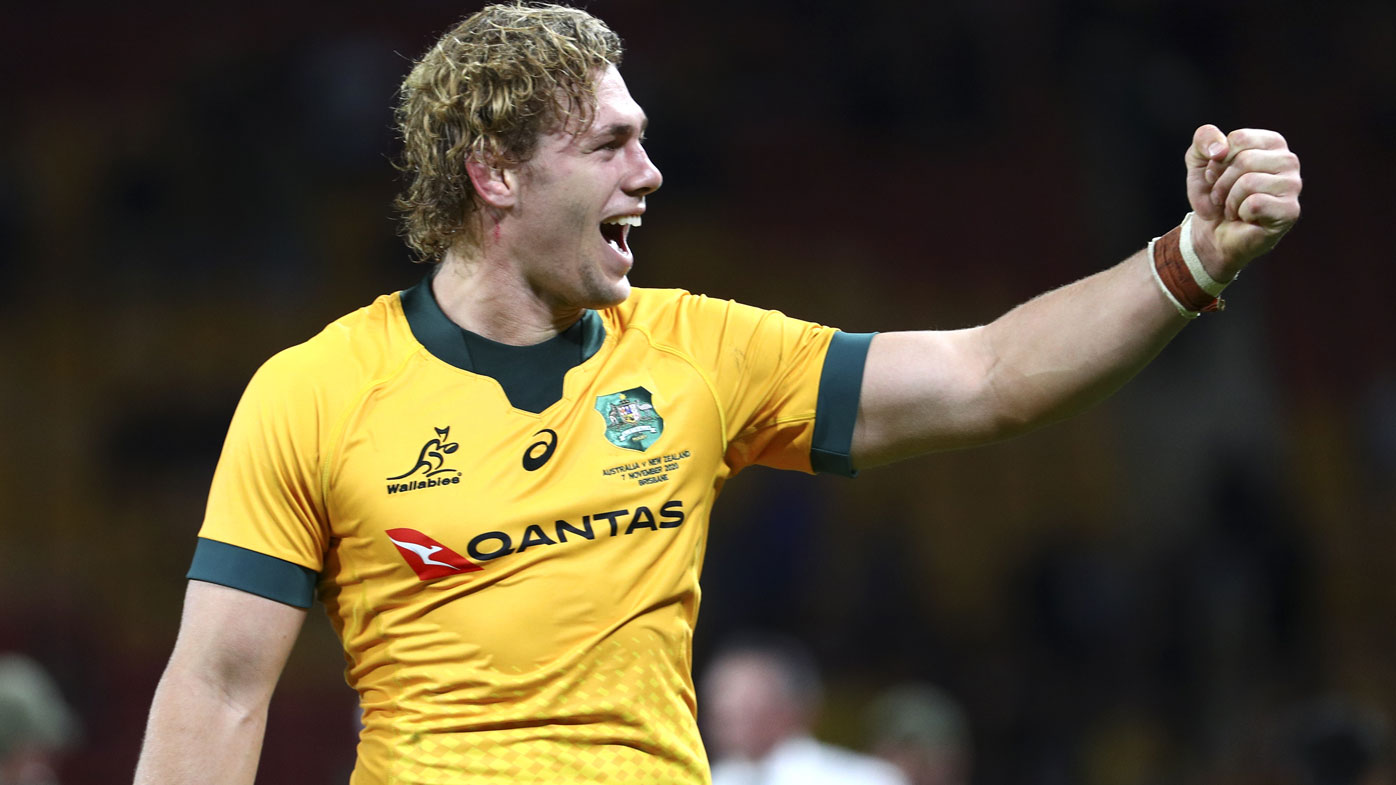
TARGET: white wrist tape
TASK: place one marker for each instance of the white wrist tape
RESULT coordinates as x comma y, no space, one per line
1199,273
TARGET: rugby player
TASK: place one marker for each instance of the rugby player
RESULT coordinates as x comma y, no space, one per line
498,481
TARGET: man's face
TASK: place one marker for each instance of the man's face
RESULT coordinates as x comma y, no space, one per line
747,709
567,234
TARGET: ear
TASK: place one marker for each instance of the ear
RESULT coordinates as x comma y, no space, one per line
496,185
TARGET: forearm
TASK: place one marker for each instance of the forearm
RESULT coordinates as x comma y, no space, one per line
210,709
197,733
1047,359
1066,350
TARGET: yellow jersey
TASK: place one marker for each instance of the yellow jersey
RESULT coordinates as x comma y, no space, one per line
516,588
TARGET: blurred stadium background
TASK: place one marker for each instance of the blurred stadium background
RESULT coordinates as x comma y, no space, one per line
1145,594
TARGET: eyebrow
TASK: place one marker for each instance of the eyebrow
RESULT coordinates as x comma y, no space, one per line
622,129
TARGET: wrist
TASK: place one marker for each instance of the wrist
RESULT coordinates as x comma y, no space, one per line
1180,273
1205,248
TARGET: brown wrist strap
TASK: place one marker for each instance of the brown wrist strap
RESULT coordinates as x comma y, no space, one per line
1172,273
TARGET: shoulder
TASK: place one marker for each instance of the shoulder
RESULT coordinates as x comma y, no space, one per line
351,351
644,306
733,772
681,314
836,764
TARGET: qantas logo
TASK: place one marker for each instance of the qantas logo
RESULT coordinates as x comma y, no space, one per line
427,557
432,560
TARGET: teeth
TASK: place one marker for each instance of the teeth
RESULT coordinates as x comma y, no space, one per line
623,220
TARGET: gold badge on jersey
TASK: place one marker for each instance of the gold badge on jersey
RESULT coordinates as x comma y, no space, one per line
632,421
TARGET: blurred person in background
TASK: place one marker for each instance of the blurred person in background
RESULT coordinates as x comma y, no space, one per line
761,698
499,480
1335,741
922,731
36,724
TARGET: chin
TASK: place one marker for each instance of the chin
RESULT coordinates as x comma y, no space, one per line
622,290
613,294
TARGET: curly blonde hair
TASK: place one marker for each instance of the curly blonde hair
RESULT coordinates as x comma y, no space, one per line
487,90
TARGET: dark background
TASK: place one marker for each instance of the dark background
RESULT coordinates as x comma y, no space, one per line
1149,593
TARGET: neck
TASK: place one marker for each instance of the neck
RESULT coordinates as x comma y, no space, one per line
488,300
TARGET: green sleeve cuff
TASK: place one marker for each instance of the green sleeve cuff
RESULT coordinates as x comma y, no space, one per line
253,572
840,386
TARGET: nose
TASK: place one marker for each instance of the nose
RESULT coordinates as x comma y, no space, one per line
647,178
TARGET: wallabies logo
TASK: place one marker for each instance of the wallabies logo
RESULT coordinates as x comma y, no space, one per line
431,461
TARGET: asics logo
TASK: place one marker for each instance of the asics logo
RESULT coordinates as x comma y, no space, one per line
540,451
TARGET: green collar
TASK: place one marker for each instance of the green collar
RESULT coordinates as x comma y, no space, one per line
531,376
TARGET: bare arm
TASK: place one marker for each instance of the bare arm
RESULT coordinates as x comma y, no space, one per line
209,713
1065,350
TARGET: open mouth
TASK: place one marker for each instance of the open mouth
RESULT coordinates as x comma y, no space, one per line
615,231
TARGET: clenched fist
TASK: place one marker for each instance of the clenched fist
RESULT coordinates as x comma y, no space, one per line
1244,189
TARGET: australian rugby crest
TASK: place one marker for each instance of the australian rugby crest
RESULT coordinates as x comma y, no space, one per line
631,419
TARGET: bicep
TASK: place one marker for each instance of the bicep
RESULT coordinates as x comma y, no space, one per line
234,640
924,391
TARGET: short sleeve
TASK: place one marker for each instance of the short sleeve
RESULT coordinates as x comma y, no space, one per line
840,389
789,388
266,521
